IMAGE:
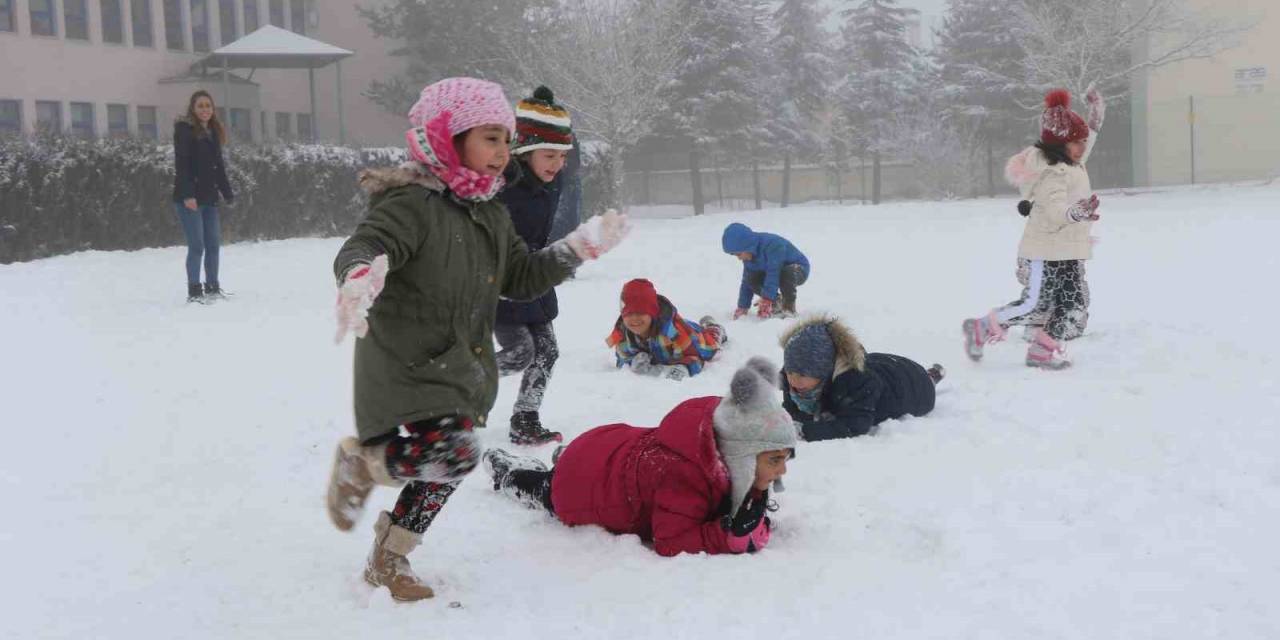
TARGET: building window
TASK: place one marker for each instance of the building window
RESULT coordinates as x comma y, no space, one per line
284,126
76,18
6,16
199,25
277,12
112,22
173,25
44,22
250,16
147,123
298,16
48,116
227,21
241,127
11,117
141,13
306,130
82,119
117,120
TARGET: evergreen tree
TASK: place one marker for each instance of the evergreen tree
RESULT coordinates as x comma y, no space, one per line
881,75
801,51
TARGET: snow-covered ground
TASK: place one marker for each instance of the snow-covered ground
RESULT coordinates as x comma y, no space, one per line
165,464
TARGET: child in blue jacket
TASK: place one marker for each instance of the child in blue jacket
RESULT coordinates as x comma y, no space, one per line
771,265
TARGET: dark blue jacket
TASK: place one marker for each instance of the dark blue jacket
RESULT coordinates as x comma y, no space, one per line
199,171
854,401
532,205
769,253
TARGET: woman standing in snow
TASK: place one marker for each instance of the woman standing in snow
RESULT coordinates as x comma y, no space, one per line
200,174
419,282
544,138
1055,243
698,483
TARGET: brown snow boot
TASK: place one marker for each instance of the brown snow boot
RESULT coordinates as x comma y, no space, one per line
388,567
356,469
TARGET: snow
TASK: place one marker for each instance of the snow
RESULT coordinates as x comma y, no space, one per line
165,463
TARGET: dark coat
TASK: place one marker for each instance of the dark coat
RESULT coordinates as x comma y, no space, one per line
532,204
865,390
668,484
429,350
199,170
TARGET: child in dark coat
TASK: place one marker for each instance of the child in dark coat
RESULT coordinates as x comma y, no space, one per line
772,268
523,329
835,389
653,339
698,483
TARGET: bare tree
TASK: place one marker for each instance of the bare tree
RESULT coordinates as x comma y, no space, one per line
606,61
1074,44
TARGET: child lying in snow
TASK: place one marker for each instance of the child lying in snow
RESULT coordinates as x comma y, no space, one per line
652,338
697,483
835,389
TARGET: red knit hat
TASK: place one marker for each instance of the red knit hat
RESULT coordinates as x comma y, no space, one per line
639,296
1059,124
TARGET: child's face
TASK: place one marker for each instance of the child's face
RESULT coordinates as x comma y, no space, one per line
204,109
1075,151
800,383
744,256
546,163
770,465
485,149
638,323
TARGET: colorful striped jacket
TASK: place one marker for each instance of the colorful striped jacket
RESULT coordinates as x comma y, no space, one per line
677,341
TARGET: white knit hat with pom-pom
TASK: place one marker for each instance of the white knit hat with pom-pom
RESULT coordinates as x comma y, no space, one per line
751,420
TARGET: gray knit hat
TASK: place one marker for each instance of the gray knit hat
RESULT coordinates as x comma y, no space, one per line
751,420
810,352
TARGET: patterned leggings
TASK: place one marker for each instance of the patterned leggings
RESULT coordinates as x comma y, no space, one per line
531,349
1055,295
433,457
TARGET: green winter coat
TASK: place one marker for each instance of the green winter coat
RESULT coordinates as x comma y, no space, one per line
429,350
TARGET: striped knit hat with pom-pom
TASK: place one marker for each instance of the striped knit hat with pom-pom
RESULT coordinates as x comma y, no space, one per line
1059,124
542,124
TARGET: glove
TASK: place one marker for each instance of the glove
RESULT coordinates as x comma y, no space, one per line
360,287
1097,108
738,313
1085,209
766,308
642,363
749,530
598,235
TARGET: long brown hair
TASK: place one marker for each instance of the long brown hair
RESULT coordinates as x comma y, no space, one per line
214,123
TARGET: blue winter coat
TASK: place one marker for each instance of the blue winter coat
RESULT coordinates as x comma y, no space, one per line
532,205
769,253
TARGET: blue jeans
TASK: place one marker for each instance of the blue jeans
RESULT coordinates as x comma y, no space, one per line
203,239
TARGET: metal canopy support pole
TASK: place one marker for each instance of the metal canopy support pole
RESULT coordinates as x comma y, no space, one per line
342,123
226,91
311,77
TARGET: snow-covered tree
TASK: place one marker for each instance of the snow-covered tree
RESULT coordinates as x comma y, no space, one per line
881,75
802,53
605,59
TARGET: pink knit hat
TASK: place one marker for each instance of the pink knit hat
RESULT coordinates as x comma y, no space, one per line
472,102
450,107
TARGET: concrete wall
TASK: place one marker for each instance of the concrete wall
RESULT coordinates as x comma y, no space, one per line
807,183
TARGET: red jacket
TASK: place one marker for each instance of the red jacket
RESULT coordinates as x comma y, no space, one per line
666,484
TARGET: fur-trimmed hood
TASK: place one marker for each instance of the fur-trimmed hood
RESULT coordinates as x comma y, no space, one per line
850,354
382,179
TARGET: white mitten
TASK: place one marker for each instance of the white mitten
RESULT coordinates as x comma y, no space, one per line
597,236
359,288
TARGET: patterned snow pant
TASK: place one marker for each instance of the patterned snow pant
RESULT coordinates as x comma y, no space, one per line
1055,296
791,276
433,456
531,349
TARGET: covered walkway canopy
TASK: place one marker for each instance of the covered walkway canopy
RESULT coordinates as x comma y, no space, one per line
274,48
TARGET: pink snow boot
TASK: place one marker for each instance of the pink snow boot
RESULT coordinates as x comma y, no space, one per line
1046,353
979,332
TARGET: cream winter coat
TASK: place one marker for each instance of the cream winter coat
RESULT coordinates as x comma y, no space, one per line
1050,234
